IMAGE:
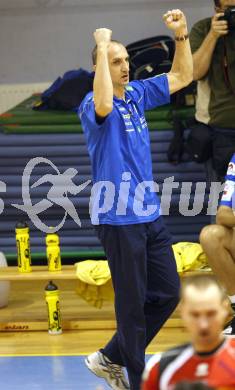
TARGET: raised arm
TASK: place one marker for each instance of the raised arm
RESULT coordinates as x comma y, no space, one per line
203,56
181,73
103,87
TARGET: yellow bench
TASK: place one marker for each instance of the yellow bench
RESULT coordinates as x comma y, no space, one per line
68,272
80,316
39,272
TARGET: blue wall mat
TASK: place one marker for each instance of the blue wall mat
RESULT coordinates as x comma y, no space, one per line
69,150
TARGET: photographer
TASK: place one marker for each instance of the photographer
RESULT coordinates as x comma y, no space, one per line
213,46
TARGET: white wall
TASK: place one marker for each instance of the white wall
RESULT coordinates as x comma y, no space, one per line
41,39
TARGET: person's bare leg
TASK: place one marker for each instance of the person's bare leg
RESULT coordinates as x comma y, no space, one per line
218,242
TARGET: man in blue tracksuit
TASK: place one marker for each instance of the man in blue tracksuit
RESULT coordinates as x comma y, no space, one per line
124,206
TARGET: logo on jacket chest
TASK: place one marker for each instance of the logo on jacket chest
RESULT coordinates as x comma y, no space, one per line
132,120
202,370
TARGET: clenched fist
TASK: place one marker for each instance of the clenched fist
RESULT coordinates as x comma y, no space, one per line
102,35
175,20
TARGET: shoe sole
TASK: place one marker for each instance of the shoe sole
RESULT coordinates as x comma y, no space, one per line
93,372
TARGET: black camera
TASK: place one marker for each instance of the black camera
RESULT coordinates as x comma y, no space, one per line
229,16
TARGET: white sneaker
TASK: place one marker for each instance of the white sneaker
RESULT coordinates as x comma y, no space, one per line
101,366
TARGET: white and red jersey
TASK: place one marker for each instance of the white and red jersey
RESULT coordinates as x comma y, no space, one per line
216,369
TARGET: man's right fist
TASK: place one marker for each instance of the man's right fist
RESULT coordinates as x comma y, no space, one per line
102,35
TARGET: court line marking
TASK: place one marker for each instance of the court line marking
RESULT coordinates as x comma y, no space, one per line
56,354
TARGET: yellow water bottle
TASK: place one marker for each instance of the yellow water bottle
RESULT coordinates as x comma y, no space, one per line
53,309
23,247
53,252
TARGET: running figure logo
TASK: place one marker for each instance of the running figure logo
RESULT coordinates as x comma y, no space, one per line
62,185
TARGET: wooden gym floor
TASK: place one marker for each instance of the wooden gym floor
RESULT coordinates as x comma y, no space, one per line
86,330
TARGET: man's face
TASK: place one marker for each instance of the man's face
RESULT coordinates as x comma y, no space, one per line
204,314
226,3
118,64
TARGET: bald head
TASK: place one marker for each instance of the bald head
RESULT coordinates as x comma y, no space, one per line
204,310
118,62
200,284
94,51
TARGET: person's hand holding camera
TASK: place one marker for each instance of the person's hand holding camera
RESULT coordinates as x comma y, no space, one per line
219,27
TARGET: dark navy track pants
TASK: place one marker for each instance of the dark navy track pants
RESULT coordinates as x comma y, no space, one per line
146,286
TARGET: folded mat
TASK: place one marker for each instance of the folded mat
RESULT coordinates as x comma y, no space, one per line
23,115
68,128
42,129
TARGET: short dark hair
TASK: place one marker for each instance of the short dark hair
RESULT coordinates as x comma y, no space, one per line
202,282
217,3
94,51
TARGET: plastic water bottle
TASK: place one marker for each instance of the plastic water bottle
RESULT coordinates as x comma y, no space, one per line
53,252
53,308
23,247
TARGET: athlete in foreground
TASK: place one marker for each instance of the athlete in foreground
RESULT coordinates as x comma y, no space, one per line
210,358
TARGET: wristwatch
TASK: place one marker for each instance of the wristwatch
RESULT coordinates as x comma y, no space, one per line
182,38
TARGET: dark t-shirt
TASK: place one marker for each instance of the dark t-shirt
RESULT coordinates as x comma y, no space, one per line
221,102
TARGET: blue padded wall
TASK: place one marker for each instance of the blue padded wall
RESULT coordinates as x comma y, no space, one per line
69,150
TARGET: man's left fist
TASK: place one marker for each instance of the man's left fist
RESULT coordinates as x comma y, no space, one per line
175,20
